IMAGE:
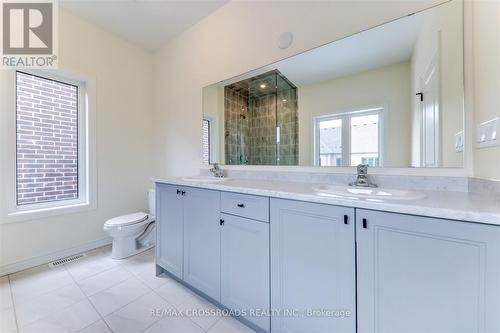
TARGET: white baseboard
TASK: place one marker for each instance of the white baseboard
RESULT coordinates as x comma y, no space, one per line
40,260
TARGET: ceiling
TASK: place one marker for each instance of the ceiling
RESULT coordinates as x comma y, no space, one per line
381,46
148,23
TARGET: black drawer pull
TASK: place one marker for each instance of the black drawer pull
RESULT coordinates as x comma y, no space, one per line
241,205
365,223
183,192
178,192
221,222
346,219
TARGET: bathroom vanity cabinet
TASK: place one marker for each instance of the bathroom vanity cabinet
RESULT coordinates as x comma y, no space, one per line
188,237
326,268
218,244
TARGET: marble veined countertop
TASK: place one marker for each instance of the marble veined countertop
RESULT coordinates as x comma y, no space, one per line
462,206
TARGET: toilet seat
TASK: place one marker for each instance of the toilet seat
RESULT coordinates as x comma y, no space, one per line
126,220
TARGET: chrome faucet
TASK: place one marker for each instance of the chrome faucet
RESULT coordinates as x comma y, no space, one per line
217,171
362,177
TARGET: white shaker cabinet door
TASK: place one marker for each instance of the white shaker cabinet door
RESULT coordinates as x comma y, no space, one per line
169,228
202,240
312,267
418,274
245,268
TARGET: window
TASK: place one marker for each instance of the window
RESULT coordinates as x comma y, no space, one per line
330,142
50,141
371,161
349,139
206,141
364,135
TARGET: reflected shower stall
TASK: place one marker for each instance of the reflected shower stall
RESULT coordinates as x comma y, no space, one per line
261,121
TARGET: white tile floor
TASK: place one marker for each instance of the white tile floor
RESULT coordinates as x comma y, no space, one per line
99,294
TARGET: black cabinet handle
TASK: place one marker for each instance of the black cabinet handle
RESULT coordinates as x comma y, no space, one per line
221,222
365,223
346,219
183,192
241,205
178,192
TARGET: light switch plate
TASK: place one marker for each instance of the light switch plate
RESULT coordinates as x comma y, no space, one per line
488,133
459,142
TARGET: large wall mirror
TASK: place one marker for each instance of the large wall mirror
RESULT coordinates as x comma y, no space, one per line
391,96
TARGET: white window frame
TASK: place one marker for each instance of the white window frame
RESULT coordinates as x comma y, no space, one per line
209,139
212,145
346,132
86,150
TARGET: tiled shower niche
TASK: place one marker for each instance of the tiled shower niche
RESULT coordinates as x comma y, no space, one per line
261,121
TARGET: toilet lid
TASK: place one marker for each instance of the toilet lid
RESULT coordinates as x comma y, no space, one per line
127,219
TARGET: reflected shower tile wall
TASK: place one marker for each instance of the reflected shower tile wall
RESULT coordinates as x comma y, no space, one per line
263,130
288,123
236,127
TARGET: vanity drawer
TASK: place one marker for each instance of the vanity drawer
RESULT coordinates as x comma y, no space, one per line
245,205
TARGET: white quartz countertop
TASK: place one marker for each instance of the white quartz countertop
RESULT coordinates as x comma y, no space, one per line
461,206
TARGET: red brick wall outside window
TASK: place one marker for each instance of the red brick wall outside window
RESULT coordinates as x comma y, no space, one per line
46,140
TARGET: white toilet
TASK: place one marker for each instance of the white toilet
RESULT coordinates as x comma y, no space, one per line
132,233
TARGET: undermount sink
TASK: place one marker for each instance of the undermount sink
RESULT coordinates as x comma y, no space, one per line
206,179
371,194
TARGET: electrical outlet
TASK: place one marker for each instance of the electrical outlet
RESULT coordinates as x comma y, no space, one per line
487,133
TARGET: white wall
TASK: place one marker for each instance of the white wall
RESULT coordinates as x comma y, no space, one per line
123,76
486,52
213,108
441,33
387,86
239,37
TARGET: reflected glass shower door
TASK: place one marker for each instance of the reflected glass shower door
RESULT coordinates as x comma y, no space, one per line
236,124
261,125
286,122
262,110
243,133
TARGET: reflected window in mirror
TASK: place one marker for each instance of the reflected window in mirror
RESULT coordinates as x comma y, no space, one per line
349,139
365,134
329,142
207,141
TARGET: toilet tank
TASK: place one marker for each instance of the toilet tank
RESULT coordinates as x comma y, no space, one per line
152,202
